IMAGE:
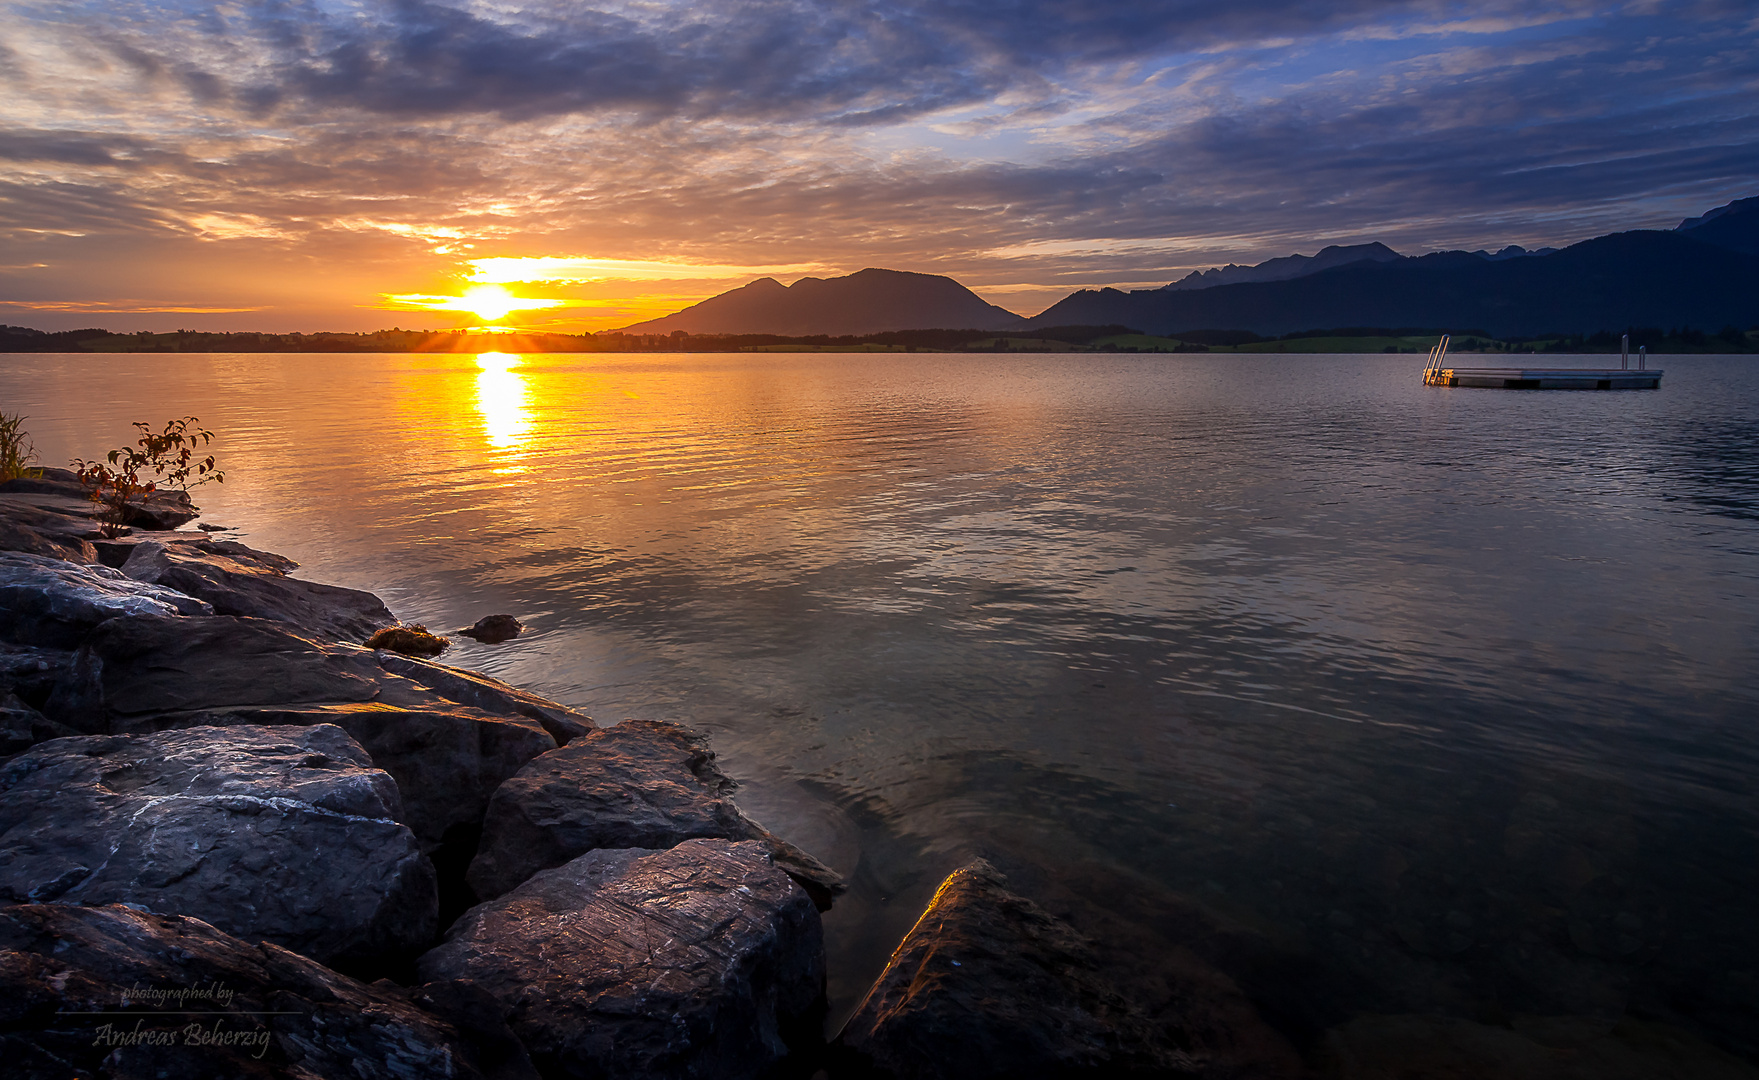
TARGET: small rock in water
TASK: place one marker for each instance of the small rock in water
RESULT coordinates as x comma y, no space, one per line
206,527
493,629
409,640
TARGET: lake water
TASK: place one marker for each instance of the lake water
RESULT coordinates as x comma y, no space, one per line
1379,698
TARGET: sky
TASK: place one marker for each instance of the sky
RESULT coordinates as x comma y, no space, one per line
304,165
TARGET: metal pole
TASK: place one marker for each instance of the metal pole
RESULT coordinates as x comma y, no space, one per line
1625,353
1643,358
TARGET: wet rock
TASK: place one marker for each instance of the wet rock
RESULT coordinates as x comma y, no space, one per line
493,629
988,984
51,603
284,834
136,666
703,960
280,1015
409,640
488,694
447,762
236,580
641,784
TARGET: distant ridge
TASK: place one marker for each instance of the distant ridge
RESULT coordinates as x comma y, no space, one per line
1626,279
1289,266
869,301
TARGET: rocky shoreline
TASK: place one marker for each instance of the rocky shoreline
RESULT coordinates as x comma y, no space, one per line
236,842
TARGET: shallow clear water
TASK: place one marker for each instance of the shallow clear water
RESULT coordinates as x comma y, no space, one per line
1452,696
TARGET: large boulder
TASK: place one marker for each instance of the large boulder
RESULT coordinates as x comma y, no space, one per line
278,833
164,509
51,603
988,984
640,784
134,667
116,992
447,760
237,580
703,960
489,694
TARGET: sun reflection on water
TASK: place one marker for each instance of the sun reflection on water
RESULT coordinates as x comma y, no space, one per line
504,399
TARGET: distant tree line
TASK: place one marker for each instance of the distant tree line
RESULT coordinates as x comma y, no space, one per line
1682,339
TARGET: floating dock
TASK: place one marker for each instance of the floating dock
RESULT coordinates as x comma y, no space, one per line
1623,377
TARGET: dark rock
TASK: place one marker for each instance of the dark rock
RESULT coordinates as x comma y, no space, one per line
488,694
640,784
493,629
135,666
409,640
161,510
47,481
17,536
700,961
284,834
292,1018
988,984
32,673
22,727
53,604
447,760
239,581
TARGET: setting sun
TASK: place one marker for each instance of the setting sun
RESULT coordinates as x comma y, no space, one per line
489,303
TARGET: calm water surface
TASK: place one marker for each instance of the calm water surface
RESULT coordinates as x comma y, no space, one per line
1448,700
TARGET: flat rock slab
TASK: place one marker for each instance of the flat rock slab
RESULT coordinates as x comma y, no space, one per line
988,984
447,761
489,694
640,784
704,960
136,666
284,834
278,1015
237,580
51,603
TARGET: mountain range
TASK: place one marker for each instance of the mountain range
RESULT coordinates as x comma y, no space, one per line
1703,273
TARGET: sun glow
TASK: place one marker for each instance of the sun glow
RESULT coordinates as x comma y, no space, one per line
490,303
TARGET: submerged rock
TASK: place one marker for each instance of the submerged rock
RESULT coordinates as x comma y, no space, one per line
279,1015
640,784
51,603
237,580
988,984
493,629
704,960
285,834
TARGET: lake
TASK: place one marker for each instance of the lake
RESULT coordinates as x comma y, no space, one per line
1381,699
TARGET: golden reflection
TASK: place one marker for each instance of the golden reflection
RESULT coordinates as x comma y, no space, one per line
503,399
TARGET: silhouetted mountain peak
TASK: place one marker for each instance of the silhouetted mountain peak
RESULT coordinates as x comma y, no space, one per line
868,301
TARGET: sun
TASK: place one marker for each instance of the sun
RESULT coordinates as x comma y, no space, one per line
490,303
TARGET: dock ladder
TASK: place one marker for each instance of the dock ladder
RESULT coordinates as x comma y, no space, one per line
1432,370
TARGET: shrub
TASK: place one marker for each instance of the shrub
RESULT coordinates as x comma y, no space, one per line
16,451
168,455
